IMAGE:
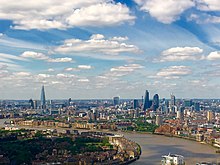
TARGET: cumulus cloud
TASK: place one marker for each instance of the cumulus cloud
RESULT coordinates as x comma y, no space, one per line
165,11
34,55
97,43
123,70
104,14
47,14
84,67
181,53
204,18
22,74
41,56
214,55
65,59
83,80
208,5
174,72
50,70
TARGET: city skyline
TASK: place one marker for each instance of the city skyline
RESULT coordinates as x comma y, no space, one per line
104,48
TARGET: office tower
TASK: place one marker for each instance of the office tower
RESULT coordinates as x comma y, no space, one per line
31,102
197,106
116,101
159,120
155,102
35,104
146,101
43,99
135,104
180,114
69,101
210,116
188,103
173,100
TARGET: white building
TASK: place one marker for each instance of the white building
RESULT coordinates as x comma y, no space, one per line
173,159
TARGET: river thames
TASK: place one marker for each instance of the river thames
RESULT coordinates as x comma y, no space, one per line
154,146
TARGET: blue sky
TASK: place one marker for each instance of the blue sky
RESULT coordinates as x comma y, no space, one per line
104,48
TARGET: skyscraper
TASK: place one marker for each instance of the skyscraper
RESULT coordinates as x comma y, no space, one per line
43,98
173,100
116,101
135,104
31,102
146,101
155,102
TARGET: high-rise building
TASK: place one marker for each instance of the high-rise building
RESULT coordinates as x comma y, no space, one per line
35,104
173,100
197,106
146,101
156,102
135,104
188,103
31,102
210,116
116,100
43,98
180,114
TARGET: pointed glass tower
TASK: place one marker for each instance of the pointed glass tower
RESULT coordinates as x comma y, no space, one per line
43,99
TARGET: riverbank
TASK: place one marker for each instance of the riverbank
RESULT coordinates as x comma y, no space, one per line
154,146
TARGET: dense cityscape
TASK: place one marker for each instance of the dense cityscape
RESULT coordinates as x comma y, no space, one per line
191,119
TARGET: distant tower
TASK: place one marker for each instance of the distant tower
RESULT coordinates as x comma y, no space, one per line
146,101
173,100
155,102
210,116
135,104
43,99
31,102
197,106
180,114
116,101
69,101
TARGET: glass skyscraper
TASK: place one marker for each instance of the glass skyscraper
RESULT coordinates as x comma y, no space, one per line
146,101
43,98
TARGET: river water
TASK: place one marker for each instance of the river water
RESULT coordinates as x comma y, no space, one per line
154,146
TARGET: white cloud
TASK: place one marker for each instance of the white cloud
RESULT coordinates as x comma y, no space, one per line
208,5
84,67
126,68
83,80
71,69
1,34
214,55
47,14
165,11
181,53
50,70
41,56
96,43
123,70
174,72
204,18
22,74
34,55
65,59
104,14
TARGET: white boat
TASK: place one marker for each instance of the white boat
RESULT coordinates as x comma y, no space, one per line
172,159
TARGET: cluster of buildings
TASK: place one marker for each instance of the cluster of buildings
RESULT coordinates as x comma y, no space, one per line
123,151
